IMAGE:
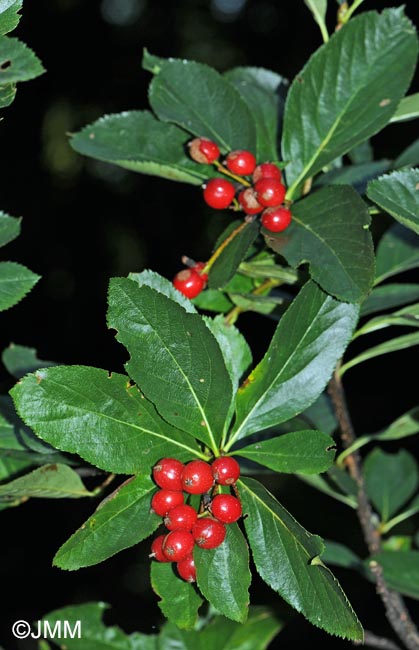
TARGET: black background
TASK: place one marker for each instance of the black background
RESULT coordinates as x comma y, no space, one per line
85,222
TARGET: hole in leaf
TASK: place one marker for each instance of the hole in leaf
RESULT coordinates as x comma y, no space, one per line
6,64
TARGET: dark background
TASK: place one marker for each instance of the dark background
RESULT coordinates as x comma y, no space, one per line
85,222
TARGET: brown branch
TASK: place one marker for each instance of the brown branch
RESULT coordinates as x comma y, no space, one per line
374,641
396,611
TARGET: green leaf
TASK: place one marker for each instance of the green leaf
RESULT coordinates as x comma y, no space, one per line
233,254
175,359
407,317
19,360
213,300
340,555
94,635
9,15
400,569
398,194
236,351
179,599
136,140
223,575
406,425
410,510
322,415
17,61
370,44
318,8
356,175
9,228
306,452
155,281
408,109
99,416
398,251
393,345
120,521
388,296
49,482
260,304
309,340
201,101
7,94
409,157
287,559
401,480
15,282
329,230
362,153
266,268
264,93
318,483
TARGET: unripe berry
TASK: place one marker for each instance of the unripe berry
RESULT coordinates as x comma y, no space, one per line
209,532
167,473
248,201
177,545
203,150
219,193
186,569
197,477
225,470
266,170
189,282
165,500
226,508
270,192
241,162
182,516
157,549
276,219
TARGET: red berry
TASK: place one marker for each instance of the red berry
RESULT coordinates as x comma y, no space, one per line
198,266
270,192
219,193
276,219
226,508
157,549
197,477
183,516
266,170
189,282
203,150
241,162
248,201
177,545
209,532
167,473
226,470
186,569
165,500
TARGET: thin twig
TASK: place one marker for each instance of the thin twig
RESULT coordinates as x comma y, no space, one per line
374,641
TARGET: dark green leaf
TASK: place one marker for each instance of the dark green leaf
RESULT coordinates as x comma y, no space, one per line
175,359
319,483
50,482
356,175
213,300
99,416
393,345
236,351
287,559
137,141
9,228
19,360
362,153
306,452
260,304
340,555
409,157
223,575
398,194
398,251
17,61
400,569
329,230
406,317
406,425
322,415
408,109
370,45
120,521
7,94
233,254
9,466
9,16
388,296
409,510
15,282
201,101
309,340
267,268
179,599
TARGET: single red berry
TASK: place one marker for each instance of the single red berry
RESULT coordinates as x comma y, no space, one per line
189,282
198,266
219,193
248,201
183,516
165,500
226,470
226,508
276,219
241,162
203,150
270,192
177,545
186,569
197,477
167,473
266,170
157,549
209,532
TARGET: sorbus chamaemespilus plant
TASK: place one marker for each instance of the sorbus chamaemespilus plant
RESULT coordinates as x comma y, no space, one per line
204,151
186,569
225,470
226,508
241,162
189,282
167,473
209,532
270,192
157,549
183,516
178,544
248,201
197,477
164,500
276,219
266,170
219,193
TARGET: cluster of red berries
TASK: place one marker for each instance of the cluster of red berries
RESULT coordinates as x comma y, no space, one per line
264,194
187,527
